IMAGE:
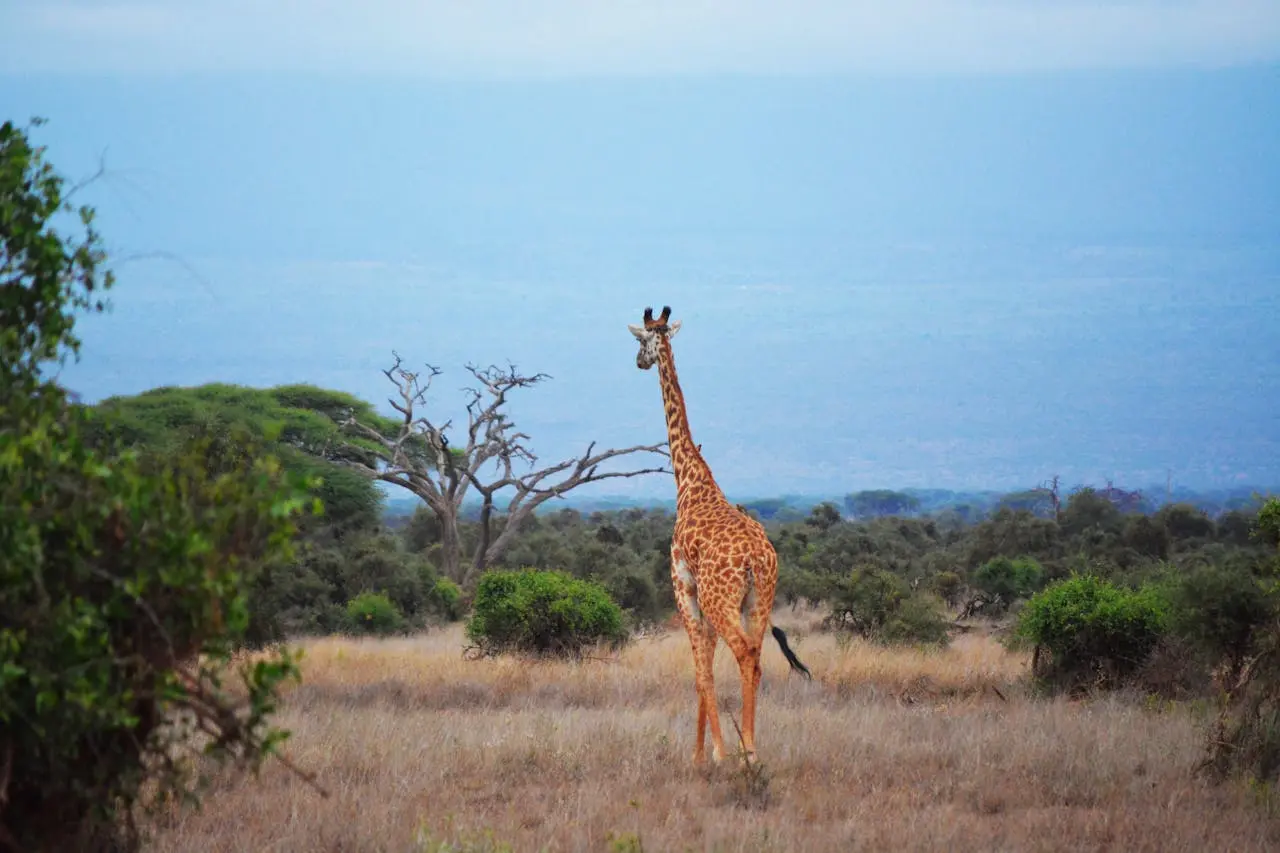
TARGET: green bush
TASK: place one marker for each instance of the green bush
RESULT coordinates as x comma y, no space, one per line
310,595
636,593
1185,522
1004,580
1245,739
862,602
1267,525
124,579
795,585
949,586
1146,537
916,621
287,600
542,612
1092,629
1220,609
373,613
445,598
878,605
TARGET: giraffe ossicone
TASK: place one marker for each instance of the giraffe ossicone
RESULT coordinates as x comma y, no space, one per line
723,567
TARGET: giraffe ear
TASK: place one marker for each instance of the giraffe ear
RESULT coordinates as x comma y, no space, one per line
672,329
638,331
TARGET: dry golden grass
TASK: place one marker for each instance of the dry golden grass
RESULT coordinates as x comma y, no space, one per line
884,750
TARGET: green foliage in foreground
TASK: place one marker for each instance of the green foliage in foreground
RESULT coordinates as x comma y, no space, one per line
543,612
125,589
124,578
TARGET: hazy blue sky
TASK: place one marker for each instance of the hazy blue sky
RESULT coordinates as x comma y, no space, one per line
958,244
488,38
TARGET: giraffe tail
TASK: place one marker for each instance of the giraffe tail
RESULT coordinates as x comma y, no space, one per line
781,637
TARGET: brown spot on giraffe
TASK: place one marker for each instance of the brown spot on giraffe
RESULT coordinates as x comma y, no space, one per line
723,567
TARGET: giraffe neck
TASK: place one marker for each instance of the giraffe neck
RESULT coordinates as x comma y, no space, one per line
693,476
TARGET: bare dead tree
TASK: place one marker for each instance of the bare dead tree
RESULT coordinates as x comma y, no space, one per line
1055,495
416,455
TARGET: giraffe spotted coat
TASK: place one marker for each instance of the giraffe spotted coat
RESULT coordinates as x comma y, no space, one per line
724,569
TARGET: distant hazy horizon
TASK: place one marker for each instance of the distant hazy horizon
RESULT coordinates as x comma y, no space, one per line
864,384
1038,251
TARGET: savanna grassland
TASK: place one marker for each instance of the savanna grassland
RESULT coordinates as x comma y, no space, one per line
151,541
886,749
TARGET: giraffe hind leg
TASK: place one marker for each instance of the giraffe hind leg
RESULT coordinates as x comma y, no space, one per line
745,646
708,710
703,639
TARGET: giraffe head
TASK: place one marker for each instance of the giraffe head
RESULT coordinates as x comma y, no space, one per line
650,333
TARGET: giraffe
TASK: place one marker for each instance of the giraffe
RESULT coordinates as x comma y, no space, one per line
723,566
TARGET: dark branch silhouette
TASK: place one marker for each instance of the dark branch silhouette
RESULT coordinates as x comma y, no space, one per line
496,458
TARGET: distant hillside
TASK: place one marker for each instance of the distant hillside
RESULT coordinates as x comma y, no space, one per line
972,504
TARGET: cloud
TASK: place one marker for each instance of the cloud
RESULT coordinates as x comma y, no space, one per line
505,38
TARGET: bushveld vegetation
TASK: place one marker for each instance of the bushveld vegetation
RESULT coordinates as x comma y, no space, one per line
124,577
1020,671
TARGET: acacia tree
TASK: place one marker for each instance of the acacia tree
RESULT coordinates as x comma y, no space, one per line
495,462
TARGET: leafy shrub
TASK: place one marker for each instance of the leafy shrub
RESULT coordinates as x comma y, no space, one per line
373,613
1235,527
542,612
377,564
1220,609
311,594
290,599
1267,526
124,580
915,621
878,605
1185,522
636,593
1089,509
1146,537
1092,629
795,585
1004,580
863,602
446,599
1246,736
1011,533
949,586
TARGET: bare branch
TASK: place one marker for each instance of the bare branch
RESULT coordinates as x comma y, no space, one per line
416,455
530,492
84,182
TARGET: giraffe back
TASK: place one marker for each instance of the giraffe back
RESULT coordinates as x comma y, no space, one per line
719,542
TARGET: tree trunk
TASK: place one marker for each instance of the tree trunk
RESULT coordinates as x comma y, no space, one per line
480,561
509,529
450,544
